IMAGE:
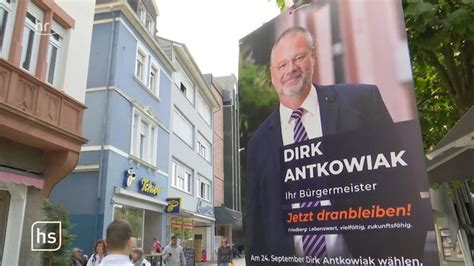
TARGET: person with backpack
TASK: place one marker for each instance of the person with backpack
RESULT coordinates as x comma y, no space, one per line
157,247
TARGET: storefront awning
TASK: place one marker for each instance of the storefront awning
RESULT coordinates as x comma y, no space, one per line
21,179
134,199
452,158
197,217
226,216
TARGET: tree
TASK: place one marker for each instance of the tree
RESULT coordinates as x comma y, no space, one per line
436,109
441,37
55,212
441,40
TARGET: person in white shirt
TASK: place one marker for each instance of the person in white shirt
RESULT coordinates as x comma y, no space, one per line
100,251
119,244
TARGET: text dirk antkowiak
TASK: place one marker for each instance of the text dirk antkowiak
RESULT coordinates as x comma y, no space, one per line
362,163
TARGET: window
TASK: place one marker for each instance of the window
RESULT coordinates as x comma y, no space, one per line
203,148
54,53
203,109
3,25
150,25
30,41
141,12
154,79
189,89
135,217
183,128
140,64
203,188
182,176
184,84
4,207
7,16
182,228
144,138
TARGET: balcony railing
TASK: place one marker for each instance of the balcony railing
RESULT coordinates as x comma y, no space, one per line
27,96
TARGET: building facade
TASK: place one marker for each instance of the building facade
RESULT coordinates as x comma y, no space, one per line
231,211
123,171
44,53
192,159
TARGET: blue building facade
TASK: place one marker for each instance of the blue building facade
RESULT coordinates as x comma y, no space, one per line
123,170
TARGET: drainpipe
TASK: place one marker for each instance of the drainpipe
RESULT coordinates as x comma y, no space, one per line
104,125
211,252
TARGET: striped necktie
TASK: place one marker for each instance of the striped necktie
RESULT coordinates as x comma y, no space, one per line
313,245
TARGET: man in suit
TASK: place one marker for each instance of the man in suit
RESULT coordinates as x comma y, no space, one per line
306,111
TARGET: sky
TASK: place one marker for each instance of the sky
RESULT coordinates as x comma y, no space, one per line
211,29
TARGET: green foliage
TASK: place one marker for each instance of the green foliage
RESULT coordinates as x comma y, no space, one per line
436,109
133,216
441,39
281,5
55,212
257,97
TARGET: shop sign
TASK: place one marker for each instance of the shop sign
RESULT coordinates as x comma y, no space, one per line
130,176
149,187
174,205
146,185
187,224
204,208
176,223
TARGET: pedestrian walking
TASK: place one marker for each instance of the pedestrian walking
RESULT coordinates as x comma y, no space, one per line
224,253
100,251
173,253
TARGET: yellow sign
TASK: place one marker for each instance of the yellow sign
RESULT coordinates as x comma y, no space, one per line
149,187
174,205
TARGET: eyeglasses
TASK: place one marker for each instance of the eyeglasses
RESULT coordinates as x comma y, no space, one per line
298,59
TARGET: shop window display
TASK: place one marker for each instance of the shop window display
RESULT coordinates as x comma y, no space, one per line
135,218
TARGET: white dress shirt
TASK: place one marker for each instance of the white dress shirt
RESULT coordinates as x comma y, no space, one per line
116,260
311,120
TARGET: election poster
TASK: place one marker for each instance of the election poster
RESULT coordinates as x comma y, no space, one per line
335,170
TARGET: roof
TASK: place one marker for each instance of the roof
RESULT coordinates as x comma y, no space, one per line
226,216
175,49
453,156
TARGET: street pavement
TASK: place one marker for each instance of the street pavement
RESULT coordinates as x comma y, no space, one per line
237,262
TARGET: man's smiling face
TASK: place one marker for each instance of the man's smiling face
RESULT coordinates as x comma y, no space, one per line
292,65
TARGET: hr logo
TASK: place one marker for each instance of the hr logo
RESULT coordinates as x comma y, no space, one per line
46,236
42,28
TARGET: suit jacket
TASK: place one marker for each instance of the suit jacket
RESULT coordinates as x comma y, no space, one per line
343,107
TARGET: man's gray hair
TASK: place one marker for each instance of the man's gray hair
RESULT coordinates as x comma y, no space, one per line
294,29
